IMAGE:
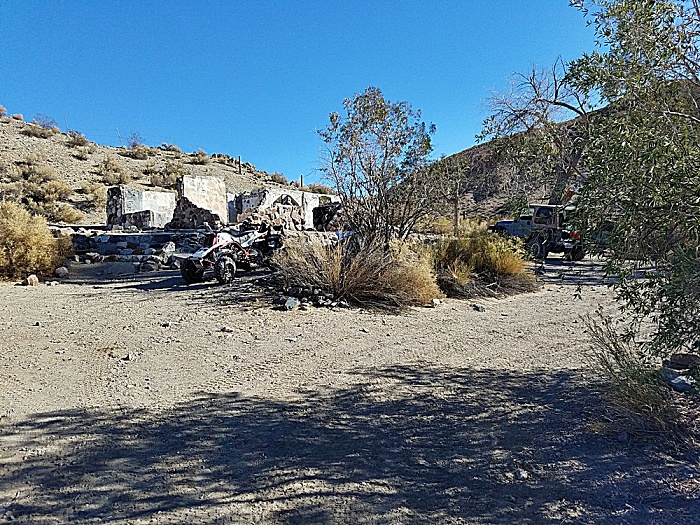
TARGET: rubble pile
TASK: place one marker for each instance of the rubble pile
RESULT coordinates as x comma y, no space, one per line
285,216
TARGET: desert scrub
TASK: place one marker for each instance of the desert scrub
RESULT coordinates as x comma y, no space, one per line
478,262
640,403
138,152
320,188
278,178
40,132
200,157
362,275
76,139
95,194
112,172
3,111
18,116
169,174
26,244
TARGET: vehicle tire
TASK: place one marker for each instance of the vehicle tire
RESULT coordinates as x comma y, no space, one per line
575,254
225,269
537,248
191,273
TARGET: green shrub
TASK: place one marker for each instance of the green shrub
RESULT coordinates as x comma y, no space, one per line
640,402
362,275
26,244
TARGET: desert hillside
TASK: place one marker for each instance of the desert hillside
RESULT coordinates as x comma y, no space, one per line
32,155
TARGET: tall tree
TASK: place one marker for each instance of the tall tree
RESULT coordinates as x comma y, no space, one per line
376,156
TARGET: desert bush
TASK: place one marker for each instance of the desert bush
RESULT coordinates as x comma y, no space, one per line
38,173
56,190
435,226
640,402
170,147
3,111
112,172
479,262
35,157
34,130
360,274
278,178
200,157
64,212
95,194
321,188
149,169
134,140
18,116
76,139
168,176
82,153
138,153
45,121
26,244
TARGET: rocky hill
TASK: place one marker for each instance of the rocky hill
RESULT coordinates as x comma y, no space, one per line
65,176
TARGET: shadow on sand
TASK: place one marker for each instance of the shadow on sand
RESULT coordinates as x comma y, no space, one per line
405,444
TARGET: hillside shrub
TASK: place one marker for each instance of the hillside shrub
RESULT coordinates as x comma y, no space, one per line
112,172
18,116
34,130
321,188
200,157
360,274
169,174
26,244
95,194
3,111
278,178
76,139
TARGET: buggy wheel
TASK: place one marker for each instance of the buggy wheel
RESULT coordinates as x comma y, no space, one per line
537,248
191,273
225,269
575,254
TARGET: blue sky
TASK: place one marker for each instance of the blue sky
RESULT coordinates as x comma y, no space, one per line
257,78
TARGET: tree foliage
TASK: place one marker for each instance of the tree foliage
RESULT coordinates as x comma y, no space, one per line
376,157
635,161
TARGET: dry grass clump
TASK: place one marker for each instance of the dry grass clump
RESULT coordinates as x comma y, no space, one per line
169,174
112,172
640,403
170,147
362,275
26,244
478,262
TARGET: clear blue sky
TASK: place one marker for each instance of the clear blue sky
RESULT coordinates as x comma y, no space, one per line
257,78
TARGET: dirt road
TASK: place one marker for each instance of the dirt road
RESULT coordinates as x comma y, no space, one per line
141,400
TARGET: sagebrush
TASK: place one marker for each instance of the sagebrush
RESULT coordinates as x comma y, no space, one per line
26,244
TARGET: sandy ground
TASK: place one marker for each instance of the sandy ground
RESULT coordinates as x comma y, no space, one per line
142,400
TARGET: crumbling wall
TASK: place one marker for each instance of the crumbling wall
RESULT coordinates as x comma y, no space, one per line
289,208
125,207
206,192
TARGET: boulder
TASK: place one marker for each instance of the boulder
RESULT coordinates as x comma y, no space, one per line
61,272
